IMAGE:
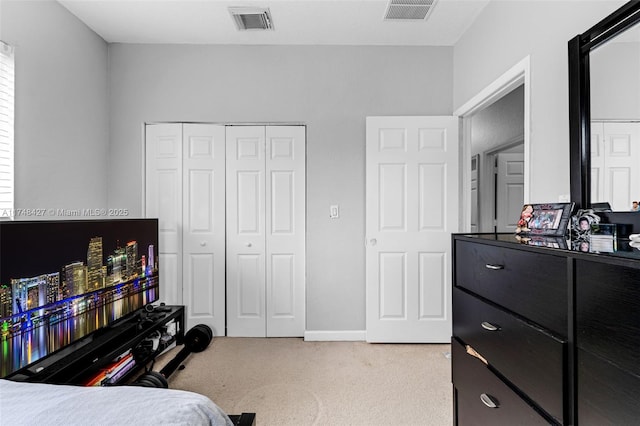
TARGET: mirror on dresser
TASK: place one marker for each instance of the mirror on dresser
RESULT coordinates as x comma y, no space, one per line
604,115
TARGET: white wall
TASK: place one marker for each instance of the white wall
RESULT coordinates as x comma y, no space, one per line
505,32
61,115
331,89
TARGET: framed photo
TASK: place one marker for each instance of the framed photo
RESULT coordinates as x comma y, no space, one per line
545,219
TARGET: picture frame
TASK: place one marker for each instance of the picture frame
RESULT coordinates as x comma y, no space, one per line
551,219
582,223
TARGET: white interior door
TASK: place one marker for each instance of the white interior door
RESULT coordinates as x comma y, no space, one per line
285,226
265,231
509,190
203,229
412,204
185,190
163,200
246,314
622,155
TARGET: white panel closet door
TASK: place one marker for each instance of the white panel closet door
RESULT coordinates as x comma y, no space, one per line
204,225
246,315
285,224
265,231
185,189
412,199
163,200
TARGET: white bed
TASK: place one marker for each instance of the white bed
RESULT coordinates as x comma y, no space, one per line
35,403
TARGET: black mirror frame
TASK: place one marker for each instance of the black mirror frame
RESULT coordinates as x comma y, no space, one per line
579,96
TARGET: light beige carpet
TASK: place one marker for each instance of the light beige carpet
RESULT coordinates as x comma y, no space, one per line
292,382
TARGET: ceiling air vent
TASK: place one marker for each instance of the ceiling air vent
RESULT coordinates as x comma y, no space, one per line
251,18
407,10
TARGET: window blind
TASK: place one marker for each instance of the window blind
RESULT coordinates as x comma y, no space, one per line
7,100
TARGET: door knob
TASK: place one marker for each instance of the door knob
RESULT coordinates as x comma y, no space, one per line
248,244
203,243
373,241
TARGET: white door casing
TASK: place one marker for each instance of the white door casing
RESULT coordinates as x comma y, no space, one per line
265,231
509,190
518,74
185,190
597,162
412,205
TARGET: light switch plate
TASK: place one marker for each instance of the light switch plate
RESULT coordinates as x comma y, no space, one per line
334,211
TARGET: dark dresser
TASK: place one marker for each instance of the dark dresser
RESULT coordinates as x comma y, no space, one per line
543,334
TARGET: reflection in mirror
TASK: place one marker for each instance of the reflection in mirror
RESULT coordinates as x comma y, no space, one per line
615,120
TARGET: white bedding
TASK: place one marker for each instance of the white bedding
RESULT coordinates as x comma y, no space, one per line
43,404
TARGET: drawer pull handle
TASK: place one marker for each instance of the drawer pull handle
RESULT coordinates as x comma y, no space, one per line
490,327
494,267
489,401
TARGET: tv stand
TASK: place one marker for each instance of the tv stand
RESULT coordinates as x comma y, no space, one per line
133,342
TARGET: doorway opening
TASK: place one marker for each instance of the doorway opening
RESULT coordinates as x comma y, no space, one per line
497,139
494,149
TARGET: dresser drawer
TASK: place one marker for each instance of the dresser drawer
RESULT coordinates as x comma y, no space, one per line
473,383
606,394
608,312
530,284
528,357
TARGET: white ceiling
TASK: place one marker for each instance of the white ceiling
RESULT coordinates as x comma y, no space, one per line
324,22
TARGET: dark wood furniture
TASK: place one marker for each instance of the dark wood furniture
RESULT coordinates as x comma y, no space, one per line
81,360
244,419
579,49
544,335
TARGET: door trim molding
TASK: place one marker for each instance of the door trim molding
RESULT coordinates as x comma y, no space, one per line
519,74
508,144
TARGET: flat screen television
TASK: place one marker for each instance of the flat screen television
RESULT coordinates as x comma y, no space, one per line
61,281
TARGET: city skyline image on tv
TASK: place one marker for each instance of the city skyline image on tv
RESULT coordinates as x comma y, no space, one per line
62,280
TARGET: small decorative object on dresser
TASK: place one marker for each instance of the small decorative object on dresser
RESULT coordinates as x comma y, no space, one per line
544,219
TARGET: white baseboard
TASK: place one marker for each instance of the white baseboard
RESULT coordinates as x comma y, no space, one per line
335,336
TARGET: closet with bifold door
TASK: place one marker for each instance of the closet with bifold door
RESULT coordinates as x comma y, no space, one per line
231,206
